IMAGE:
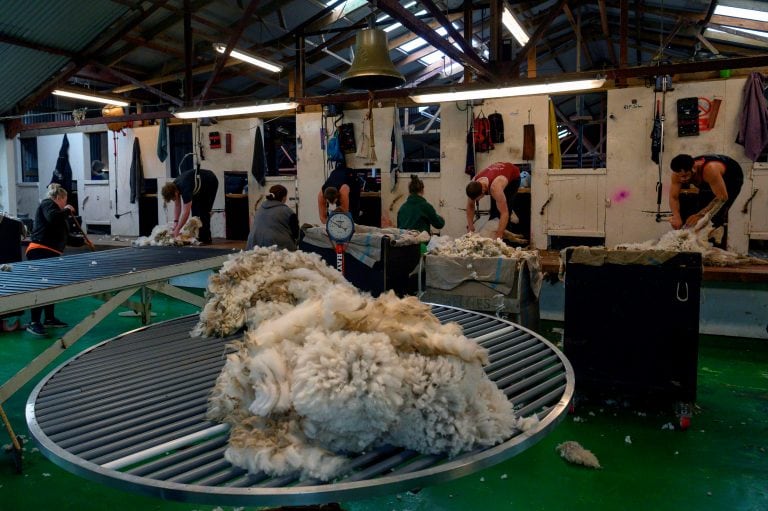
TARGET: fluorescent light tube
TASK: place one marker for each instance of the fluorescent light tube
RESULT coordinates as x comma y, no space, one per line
504,92
87,96
224,110
508,20
251,59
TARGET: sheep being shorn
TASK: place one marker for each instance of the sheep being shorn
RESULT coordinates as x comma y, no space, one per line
695,240
334,371
161,235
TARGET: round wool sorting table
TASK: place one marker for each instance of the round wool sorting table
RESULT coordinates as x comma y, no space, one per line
130,413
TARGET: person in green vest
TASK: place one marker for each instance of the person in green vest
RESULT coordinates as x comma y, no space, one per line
416,213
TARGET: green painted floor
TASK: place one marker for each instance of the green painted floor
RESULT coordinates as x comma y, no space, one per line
720,463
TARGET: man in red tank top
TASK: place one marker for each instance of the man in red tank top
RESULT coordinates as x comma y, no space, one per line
500,181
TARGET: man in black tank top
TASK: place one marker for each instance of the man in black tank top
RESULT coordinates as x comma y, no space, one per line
718,178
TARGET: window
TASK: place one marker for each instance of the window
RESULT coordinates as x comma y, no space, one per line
421,138
99,152
280,146
180,145
581,121
29,160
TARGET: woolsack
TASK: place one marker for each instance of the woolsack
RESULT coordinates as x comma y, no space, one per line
326,370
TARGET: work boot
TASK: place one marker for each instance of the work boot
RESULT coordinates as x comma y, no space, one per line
36,329
55,323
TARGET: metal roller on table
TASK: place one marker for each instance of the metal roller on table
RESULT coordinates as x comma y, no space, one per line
43,281
130,413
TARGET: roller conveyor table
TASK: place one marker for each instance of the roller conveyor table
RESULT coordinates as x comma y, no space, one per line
111,275
130,413
45,281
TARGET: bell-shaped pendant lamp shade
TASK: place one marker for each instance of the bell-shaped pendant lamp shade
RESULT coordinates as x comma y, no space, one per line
372,68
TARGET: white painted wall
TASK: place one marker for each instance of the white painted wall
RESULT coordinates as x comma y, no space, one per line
632,176
7,174
623,196
313,168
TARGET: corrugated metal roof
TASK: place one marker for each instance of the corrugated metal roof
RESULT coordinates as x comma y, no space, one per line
150,49
65,25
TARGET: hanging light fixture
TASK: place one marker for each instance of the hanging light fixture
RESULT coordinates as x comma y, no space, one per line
87,95
247,57
505,92
233,109
372,69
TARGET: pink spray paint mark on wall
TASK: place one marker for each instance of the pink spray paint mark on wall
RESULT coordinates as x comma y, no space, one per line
620,196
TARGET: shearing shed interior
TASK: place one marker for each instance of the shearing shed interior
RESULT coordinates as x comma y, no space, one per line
384,255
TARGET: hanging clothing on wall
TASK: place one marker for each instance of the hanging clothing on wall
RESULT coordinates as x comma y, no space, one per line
259,163
553,140
162,140
656,134
753,122
136,174
398,150
482,131
497,127
469,166
529,142
62,174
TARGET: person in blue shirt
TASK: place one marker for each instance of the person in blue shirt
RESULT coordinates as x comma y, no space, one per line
416,213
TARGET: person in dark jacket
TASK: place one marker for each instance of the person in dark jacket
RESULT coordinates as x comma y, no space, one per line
193,191
345,181
718,179
274,222
416,213
48,239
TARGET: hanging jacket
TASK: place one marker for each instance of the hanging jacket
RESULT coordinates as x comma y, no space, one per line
259,161
753,122
136,174
482,132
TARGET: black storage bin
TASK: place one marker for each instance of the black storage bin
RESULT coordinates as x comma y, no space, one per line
391,272
236,214
11,231
632,330
148,210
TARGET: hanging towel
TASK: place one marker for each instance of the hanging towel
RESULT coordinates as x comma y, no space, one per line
136,172
162,140
62,174
753,123
553,142
529,142
259,163
398,150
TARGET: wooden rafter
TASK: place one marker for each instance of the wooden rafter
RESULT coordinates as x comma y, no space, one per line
234,36
607,31
577,30
446,24
409,21
553,12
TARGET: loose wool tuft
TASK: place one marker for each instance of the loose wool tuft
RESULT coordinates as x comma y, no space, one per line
573,452
324,370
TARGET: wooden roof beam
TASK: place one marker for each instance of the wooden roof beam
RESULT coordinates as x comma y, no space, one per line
409,21
607,31
553,12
